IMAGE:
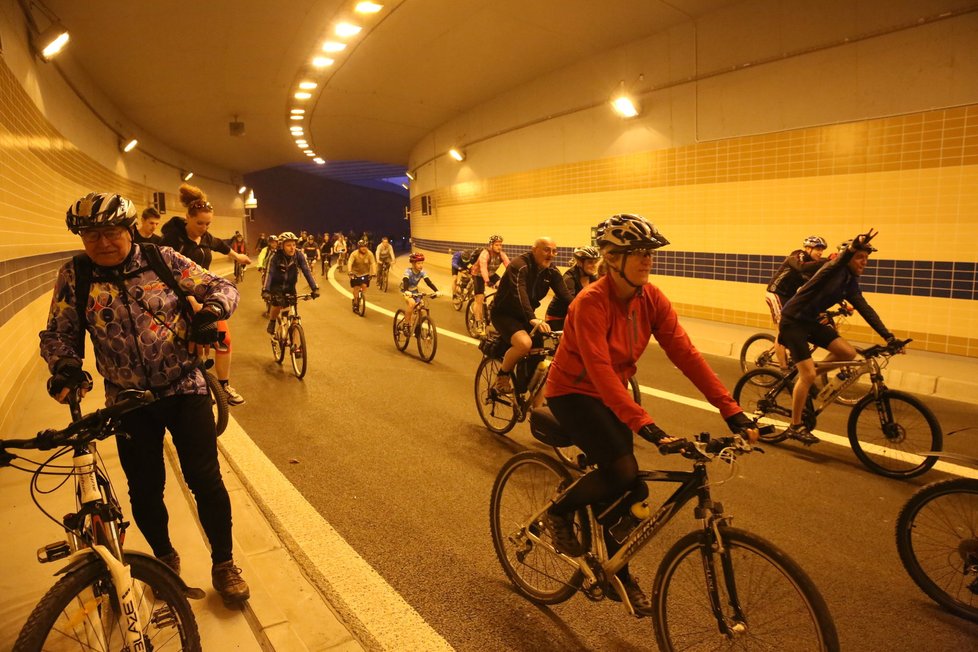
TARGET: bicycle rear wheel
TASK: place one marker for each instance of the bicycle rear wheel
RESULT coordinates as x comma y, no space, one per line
891,435
471,324
219,402
297,350
497,411
758,353
768,601
760,394
81,611
937,538
427,337
524,488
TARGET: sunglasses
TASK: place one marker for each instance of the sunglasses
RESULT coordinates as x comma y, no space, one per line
111,233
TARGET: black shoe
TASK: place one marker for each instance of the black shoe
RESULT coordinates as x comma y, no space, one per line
561,529
270,329
636,596
801,433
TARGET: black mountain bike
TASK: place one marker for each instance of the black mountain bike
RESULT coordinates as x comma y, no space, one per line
937,538
107,598
718,587
891,432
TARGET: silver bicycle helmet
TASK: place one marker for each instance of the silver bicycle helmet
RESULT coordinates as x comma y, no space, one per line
586,253
286,236
815,241
100,209
625,232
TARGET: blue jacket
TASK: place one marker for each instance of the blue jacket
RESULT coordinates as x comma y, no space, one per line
283,272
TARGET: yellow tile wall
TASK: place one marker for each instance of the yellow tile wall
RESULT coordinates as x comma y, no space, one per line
914,177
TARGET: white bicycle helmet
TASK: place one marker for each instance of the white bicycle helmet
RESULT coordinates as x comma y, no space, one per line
100,209
815,241
286,236
625,232
586,253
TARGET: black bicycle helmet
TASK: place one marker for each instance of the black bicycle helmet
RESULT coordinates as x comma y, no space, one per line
625,232
845,245
100,209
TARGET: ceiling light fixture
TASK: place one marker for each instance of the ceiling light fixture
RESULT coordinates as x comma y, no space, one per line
186,176
405,186
47,43
625,105
409,175
310,153
333,46
296,117
308,85
128,146
345,30
368,7
52,41
242,189
302,95
320,160
322,62
457,154
297,111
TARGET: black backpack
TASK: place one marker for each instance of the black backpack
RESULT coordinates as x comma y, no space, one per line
83,285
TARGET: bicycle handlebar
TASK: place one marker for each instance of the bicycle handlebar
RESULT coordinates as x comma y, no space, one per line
81,431
706,448
884,349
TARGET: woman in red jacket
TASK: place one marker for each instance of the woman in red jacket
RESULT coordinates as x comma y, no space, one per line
607,329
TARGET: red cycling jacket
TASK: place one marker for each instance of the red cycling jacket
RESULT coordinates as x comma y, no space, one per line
604,338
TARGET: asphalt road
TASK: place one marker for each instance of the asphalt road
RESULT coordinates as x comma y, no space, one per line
390,450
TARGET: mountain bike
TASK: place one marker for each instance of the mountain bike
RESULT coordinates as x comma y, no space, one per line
422,325
359,296
501,412
239,270
463,290
471,323
718,587
937,538
290,336
108,598
758,353
383,276
892,433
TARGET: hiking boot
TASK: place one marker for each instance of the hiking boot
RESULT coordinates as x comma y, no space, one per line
801,433
636,596
233,397
504,384
270,329
172,560
226,578
561,530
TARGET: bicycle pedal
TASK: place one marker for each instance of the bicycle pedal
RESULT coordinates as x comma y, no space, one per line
53,552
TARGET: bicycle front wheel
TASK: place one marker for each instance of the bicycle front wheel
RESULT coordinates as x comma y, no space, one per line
81,611
427,337
521,493
892,434
471,323
297,350
219,402
758,353
361,307
278,349
760,393
401,335
497,411
768,601
937,538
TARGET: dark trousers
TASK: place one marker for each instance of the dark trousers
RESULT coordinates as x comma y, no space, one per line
191,424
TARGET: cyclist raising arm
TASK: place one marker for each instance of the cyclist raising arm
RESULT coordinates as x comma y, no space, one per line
524,284
606,331
800,323
283,273
413,276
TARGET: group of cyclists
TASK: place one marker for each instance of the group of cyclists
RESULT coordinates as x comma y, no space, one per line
605,305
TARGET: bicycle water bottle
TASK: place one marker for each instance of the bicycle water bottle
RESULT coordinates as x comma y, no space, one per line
538,375
833,384
637,513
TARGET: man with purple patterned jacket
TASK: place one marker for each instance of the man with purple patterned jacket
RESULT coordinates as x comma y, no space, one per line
144,339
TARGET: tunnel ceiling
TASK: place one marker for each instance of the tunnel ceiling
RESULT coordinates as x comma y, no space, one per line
181,70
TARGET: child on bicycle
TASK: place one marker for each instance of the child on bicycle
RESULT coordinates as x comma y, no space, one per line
283,273
412,278
607,328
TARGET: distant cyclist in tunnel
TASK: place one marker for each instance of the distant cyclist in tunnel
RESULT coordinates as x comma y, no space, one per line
485,274
412,278
606,331
283,273
799,266
582,273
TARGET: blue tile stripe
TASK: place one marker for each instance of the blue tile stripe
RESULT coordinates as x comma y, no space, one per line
919,278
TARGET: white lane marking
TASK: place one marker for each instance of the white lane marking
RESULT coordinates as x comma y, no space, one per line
828,437
368,604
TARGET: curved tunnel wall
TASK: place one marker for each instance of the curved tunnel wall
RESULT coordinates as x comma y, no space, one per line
737,163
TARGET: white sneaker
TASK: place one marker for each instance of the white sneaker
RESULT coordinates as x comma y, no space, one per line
233,397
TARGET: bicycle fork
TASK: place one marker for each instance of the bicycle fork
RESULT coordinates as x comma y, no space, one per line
737,625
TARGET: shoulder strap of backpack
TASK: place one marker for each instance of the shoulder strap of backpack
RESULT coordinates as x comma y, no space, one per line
83,287
155,261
